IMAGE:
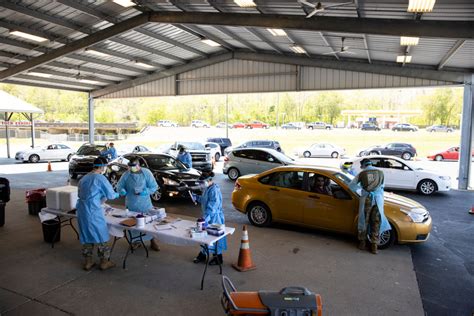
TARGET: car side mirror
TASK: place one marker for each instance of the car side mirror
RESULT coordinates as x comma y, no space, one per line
270,159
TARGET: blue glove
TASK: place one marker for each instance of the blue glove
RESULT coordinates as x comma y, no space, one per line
144,192
123,192
116,196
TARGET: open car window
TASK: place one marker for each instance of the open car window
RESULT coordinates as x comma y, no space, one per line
163,163
287,179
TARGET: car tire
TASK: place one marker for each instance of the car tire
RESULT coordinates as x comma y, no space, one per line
388,238
113,179
310,127
307,154
335,154
34,158
406,156
72,175
68,157
217,156
159,194
427,187
438,158
328,128
259,214
449,131
233,173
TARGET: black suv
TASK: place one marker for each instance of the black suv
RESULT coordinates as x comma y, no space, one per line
223,142
403,150
173,178
273,144
83,160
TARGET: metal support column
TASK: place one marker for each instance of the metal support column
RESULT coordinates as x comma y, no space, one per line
466,134
91,118
32,131
227,116
7,133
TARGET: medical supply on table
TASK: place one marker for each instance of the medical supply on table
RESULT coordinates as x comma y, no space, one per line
194,233
200,224
140,221
216,230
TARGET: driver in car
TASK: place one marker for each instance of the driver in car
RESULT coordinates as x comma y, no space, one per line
321,185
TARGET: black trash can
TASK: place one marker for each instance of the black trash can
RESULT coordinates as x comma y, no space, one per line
36,200
2,213
35,207
52,230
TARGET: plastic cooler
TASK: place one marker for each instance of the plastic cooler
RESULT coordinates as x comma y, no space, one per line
36,200
62,198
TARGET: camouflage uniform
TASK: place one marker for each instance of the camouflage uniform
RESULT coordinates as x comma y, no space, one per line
371,180
103,250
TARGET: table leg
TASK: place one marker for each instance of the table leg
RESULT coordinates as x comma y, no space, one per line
143,243
113,245
74,228
215,251
206,249
57,232
130,248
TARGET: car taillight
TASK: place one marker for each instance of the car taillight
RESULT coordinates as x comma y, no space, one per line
226,158
237,185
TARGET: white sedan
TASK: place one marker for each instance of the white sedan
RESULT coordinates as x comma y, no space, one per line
215,150
321,150
406,175
49,152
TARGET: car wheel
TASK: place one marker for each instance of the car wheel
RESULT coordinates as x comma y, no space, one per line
259,214
449,131
218,156
72,175
233,174
34,158
328,128
335,154
373,153
427,187
406,156
387,238
113,179
68,157
307,154
159,194
432,131
438,158
310,127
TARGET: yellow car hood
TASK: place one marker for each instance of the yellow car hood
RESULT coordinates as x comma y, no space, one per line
398,200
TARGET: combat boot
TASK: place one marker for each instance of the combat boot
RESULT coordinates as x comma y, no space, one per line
154,245
362,245
373,248
88,264
106,264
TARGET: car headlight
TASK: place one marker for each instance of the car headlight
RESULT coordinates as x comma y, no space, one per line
168,181
208,157
417,215
72,162
445,177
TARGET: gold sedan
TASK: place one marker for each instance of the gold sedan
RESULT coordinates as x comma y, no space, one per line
291,194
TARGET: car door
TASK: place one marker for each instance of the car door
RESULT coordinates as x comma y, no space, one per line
245,161
316,150
266,161
51,152
285,196
398,175
452,153
334,212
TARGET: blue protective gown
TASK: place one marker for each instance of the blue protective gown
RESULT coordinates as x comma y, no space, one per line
213,213
92,190
186,159
376,197
113,153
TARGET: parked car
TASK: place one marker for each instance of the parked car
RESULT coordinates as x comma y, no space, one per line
83,160
321,150
285,194
199,123
201,157
257,143
369,127
448,154
290,126
256,124
48,152
238,125
223,125
172,177
167,123
253,160
318,125
222,141
439,128
214,149
403,150
406,175
404,127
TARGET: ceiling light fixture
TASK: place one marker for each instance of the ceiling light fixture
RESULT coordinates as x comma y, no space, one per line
39,74
277,32
125,3
89,81
144,65
245,3
298,49
404,59
420,6
28,36
210,42
409,41
97,53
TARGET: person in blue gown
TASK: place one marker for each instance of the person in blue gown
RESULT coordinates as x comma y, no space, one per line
93,190
184,157
137,184
213,213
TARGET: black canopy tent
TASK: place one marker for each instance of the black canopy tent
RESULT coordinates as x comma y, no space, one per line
10,105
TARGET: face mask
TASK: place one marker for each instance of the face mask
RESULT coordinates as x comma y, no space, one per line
103,171
134,169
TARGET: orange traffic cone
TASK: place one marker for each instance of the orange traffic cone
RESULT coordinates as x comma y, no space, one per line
471,211
245,260
49,167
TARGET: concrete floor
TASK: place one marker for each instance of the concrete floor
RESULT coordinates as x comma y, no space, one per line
37,279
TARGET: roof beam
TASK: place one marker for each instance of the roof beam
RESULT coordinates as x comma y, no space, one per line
126,56
147,49
88,59
451,53
42,85
256,33
394,27
170,41
392,69
59,81
329,45
364,37
77,45
163,74
89,11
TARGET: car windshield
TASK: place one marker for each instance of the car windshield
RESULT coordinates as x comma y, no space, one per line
282,157
192,145
346,179
90,150
163,163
